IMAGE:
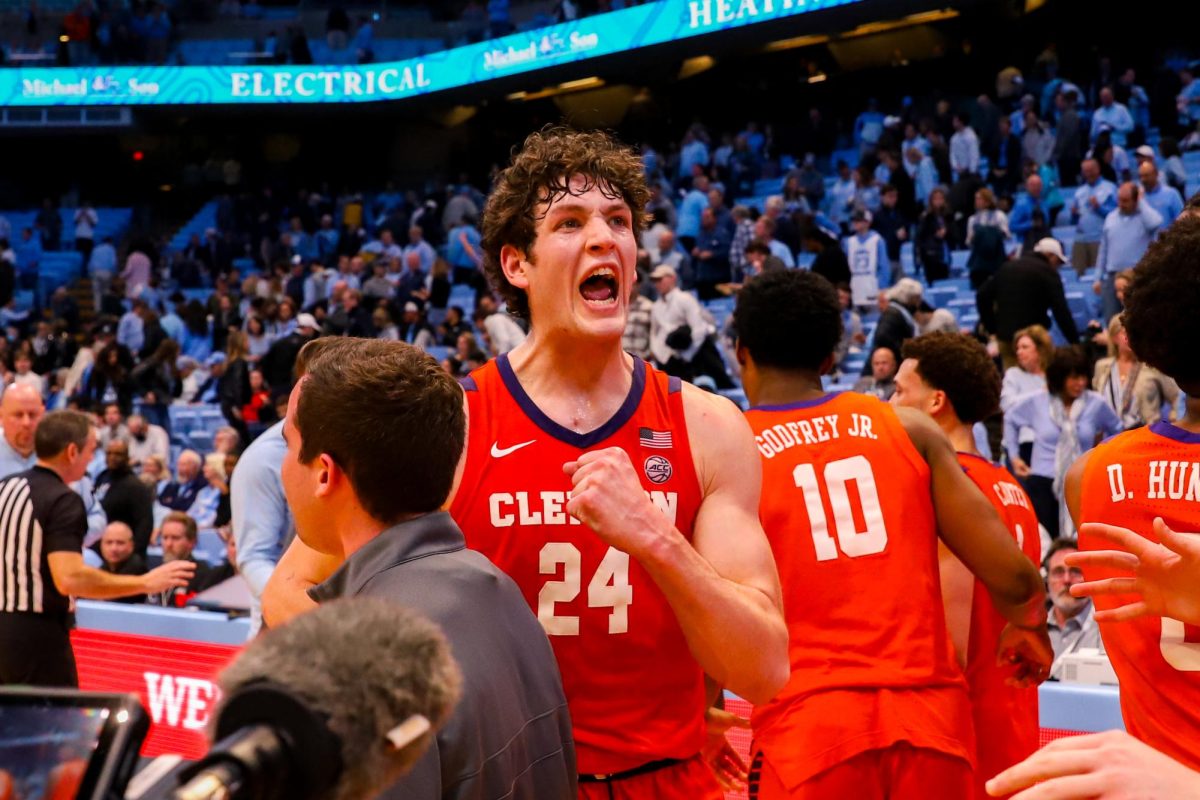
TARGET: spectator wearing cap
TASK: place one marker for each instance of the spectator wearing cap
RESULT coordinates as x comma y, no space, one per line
1024,292
1093,201
413,328
1128,231
870,267
210,388
1162,198
677,325
1114,115
897,323
636,338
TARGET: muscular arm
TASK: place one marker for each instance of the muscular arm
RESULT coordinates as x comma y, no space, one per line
972,529
723,586
73,577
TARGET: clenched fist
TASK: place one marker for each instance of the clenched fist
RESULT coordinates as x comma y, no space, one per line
609,499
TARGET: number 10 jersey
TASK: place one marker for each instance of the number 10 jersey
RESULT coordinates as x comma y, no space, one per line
635,692
847,507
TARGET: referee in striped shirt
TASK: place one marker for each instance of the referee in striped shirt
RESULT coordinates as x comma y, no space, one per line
42,526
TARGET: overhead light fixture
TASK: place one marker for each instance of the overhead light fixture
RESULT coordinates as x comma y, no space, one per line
794,42
565,87
868,29
695,65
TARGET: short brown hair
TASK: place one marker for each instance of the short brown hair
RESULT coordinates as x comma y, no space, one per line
540,173
184,519
958,365
388,415
1041,340
58,429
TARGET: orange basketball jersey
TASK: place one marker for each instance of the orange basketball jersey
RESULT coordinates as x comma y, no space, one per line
846,505
1006,717
1128,481
635,692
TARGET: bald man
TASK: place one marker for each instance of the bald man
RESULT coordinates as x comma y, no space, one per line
116,548
20,409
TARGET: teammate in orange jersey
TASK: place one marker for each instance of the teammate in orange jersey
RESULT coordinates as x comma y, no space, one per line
950,377
1147,473
855,493
623,503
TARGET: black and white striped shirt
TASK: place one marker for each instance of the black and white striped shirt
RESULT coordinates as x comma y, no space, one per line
39,515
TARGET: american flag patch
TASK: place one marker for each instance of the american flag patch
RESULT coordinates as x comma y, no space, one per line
658,440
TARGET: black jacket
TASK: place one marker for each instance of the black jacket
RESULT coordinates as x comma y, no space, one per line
277,365
893,330
126,499
1024,292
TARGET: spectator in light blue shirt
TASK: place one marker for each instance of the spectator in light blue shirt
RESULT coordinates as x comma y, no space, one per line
693,153
1093,202
1128,231
417,243
964,147
868,127
1188,99
262,523
924,174
29,252
1020,221
1067,420
1113,114
694,202
1162,198
131,330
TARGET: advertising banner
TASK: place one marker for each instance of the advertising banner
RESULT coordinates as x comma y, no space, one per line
601,35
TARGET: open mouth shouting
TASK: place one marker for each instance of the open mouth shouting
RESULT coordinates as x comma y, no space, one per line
599,289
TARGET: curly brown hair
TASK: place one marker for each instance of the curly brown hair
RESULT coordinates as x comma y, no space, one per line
959,366
540,173
1160,307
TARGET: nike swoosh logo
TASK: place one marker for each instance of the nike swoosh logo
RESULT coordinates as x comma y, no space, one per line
498,453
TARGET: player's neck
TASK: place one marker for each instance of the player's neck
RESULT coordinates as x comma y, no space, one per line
1191,415
784,387
580,385
960,434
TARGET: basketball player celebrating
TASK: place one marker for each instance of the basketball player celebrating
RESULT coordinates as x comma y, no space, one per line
855,494
622,502
950,377
1147,473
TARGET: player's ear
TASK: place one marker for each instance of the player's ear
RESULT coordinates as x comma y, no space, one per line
739,351
828,365
515,266
938,402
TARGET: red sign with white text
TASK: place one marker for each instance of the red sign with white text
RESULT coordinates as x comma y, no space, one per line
175,679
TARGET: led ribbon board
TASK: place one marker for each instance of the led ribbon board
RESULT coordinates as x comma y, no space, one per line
602,35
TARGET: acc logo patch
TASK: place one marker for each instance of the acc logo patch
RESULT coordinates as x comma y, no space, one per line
658,469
